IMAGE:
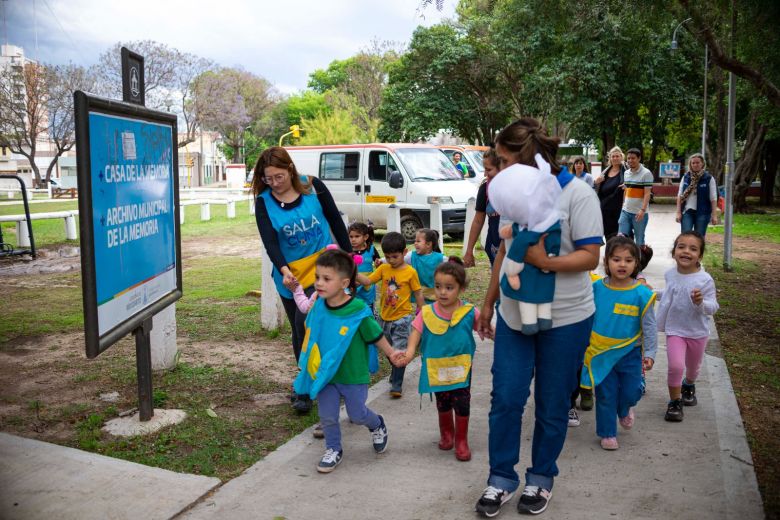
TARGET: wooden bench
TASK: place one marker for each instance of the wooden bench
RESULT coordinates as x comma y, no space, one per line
58,193
23,237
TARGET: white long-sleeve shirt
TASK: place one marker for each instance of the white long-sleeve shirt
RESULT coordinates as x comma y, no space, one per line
677,314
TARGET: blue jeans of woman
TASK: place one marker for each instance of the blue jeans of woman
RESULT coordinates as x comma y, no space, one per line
692,220
552,358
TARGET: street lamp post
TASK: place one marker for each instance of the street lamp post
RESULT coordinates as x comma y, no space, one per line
674,46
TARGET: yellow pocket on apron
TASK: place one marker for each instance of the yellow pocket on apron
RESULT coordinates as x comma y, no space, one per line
449,370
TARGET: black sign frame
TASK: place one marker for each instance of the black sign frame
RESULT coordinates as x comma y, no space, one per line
133,81
84,104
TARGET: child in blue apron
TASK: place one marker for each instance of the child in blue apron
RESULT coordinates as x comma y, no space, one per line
361,236
623,341
425,258
334,356
444,332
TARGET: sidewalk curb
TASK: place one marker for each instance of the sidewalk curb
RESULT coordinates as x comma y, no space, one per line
743,498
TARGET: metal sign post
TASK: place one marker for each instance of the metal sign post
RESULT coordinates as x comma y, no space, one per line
128,180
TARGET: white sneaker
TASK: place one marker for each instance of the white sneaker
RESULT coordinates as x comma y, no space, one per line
574,419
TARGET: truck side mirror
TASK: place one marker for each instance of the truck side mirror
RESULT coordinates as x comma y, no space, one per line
396,180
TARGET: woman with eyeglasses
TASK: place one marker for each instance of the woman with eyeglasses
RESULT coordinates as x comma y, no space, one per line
297,218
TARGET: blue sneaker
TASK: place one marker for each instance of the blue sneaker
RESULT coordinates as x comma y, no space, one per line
330,460
379,436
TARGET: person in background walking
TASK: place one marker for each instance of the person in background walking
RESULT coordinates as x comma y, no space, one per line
295,216
484,209
609,188
638,182
683,314
581,171
697,200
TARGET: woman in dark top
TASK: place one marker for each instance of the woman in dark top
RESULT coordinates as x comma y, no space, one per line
484,210
609,187
297,218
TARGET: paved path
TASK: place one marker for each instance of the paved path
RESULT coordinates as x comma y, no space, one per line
700,468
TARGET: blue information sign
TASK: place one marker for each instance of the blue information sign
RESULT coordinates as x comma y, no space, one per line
128,202
133,215
669,170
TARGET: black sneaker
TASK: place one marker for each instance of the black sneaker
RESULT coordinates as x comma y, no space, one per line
534,500
689,394
302,404
674,412
492,499
586,399
379,436
330,460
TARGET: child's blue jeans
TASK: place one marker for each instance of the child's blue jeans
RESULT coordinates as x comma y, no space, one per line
397,333
329,403
619,391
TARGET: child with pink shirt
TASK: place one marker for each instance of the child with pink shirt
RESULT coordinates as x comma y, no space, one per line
444,332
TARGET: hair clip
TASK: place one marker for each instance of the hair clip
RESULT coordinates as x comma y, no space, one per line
358,259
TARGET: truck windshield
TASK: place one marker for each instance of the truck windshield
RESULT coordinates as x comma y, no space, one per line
475,157
428,164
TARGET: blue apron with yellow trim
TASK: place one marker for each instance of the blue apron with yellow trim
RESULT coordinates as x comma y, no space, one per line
367,266
617,328
447,349
303,232
426,265
325,342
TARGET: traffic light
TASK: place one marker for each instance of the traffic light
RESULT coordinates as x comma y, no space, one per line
296,131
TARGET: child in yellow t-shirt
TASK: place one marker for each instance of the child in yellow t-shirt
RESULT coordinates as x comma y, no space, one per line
399,283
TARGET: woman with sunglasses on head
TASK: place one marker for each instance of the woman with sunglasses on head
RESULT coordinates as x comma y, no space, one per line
297,218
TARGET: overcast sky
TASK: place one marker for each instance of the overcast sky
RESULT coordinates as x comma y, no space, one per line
281,40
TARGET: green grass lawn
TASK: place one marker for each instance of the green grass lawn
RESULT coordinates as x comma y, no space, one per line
761,226
51,233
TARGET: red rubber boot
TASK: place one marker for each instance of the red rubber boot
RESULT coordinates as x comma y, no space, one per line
462,451
446,429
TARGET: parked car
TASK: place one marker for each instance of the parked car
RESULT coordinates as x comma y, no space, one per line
366,178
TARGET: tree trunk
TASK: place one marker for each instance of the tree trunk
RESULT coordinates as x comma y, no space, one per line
715,163
750,162
769,175
609,142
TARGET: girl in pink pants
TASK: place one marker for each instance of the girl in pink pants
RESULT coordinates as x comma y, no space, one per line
683,314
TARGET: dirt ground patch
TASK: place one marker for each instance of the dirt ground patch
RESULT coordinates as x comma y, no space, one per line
235,391
749,328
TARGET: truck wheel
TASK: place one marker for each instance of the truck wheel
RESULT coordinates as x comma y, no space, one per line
409,227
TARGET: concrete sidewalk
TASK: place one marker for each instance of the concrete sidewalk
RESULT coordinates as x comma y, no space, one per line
42,480
700,468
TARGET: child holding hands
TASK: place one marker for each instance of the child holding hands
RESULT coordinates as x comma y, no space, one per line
399,283
334,356
444,332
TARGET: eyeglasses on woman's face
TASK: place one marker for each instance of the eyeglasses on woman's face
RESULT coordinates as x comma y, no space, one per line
275,179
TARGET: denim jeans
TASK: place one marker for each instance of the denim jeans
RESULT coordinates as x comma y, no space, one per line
551,358
692,220
397,334
618,392
329,404
628,222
